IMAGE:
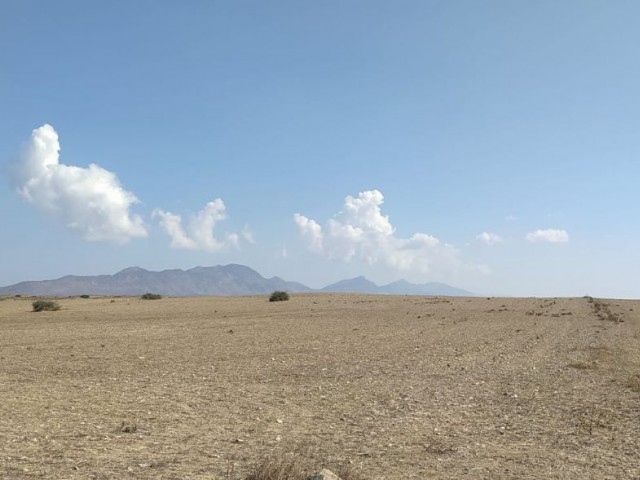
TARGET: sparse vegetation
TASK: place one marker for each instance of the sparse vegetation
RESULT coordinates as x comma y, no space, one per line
85,296
279,296
582,366
151,296
354,384
45,305
634,383
592,418
279,467
603,311
294,466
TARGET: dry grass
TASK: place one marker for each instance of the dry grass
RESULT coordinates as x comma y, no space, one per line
633,382
296,466
370,387
280,467
582,366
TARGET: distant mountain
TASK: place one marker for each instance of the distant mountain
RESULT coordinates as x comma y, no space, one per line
401,287
353,285
219,280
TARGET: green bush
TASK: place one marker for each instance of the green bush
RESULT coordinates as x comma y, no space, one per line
151,296
279,296
85,296
45,305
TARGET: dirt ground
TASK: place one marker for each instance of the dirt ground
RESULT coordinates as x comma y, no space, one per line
398,387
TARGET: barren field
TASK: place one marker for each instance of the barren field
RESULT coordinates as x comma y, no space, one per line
396,387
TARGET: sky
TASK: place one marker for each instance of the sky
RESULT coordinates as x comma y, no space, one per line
490,145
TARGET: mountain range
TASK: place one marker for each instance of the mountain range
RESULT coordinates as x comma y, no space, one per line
219,280
401,287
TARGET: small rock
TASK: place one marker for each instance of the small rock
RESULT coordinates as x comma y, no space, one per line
324,474
128,427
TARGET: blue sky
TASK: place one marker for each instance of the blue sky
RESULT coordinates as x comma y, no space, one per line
491,145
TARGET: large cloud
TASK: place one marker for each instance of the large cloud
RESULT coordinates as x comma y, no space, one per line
550,235
88,200
360,231
199,235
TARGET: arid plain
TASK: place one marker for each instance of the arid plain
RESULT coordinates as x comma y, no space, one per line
395,387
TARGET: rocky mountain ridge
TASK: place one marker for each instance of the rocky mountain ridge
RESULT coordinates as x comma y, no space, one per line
229,279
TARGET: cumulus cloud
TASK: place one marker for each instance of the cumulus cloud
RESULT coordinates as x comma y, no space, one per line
489,238
550,235
199,234
361,232
89,200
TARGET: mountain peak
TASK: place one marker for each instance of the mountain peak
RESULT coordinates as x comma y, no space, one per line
353,285
132,270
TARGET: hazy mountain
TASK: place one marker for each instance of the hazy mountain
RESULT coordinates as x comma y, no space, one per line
353,285
401,287
219,280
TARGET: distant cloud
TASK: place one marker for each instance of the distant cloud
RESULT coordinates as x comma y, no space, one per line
511,218
199,235
489,238
88,200
248,235
549,235
360,231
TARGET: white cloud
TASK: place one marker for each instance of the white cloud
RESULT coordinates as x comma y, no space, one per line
361,232
489,238
549,235
199,235
248,235
89,200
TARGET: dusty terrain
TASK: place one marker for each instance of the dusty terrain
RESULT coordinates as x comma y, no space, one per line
399,387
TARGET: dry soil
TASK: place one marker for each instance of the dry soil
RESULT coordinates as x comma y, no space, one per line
398,387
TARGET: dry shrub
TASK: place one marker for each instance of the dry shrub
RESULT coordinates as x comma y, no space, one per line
279,467
279,296
634,383
300,462
45,305
151,296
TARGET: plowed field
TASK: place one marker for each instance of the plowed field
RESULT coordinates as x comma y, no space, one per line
397,387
